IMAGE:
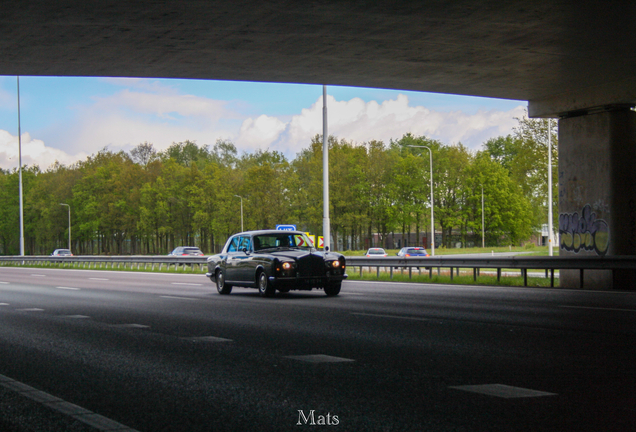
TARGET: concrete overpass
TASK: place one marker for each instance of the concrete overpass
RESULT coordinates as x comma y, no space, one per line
572,60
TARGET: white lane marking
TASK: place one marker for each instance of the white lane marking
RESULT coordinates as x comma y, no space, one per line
99,279
598,308
4,304
391,316
83,415
38,275
31,310
319,358
132,326
4,283
178,298
68,288
503,391
75,316
207,339
184,283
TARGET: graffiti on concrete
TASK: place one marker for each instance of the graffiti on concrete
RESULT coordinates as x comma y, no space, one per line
583,232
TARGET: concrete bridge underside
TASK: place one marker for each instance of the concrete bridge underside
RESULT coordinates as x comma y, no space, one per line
573,60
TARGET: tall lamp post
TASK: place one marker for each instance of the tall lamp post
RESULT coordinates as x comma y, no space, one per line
432,211
238,196
20,175
550,229
483,231
69,224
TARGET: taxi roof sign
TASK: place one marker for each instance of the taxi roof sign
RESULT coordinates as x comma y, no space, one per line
286,227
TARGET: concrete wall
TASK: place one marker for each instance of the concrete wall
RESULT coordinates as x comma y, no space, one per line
597,193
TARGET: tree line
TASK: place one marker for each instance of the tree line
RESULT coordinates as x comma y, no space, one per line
148,202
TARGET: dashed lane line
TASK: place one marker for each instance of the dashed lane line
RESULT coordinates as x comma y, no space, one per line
178,298
503,391
68,288
83,415
99,279
391,316
185,283
598,308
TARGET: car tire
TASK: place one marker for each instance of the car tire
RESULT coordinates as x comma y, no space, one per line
265,288
221,286
333,288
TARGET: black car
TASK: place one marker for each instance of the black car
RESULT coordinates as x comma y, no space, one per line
273,260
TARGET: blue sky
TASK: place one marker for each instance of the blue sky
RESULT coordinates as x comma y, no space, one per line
69,118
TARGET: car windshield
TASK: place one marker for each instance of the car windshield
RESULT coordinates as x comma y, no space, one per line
191,250
376,252
282,240
416,251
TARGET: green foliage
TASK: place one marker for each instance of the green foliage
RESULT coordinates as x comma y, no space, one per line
148,202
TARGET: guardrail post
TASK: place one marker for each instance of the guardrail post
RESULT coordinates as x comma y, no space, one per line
498,274
525,277
475,274
391,272
451,272
551,278
378,272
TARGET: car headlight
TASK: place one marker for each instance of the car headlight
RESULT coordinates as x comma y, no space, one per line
286,266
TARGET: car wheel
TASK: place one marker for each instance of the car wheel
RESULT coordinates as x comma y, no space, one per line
333,288
264,287
221,286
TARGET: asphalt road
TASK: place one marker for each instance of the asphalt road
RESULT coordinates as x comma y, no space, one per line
96,350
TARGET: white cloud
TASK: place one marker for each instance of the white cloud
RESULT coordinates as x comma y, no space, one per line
156,113
34,152
360,122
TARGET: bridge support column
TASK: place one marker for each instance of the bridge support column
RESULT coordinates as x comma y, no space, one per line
597,193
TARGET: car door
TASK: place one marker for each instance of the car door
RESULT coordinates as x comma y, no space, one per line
232,260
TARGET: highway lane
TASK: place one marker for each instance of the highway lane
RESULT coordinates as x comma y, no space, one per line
160,352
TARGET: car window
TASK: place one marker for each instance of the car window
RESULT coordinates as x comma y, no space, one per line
282,240
234,244
244,243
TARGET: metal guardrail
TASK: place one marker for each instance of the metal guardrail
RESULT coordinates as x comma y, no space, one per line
549,264
112,262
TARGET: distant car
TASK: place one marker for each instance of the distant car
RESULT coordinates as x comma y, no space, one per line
186,251
376,252
413,252
271,260
62,252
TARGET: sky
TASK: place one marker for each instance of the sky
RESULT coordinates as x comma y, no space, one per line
67,119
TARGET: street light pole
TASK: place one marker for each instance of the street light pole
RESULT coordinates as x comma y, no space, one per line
69,224
326,221
550,242
483,232
20,175
241,211
432,204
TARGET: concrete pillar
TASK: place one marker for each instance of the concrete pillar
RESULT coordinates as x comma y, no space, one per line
597,193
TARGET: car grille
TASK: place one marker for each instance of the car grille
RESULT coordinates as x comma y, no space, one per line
311,265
